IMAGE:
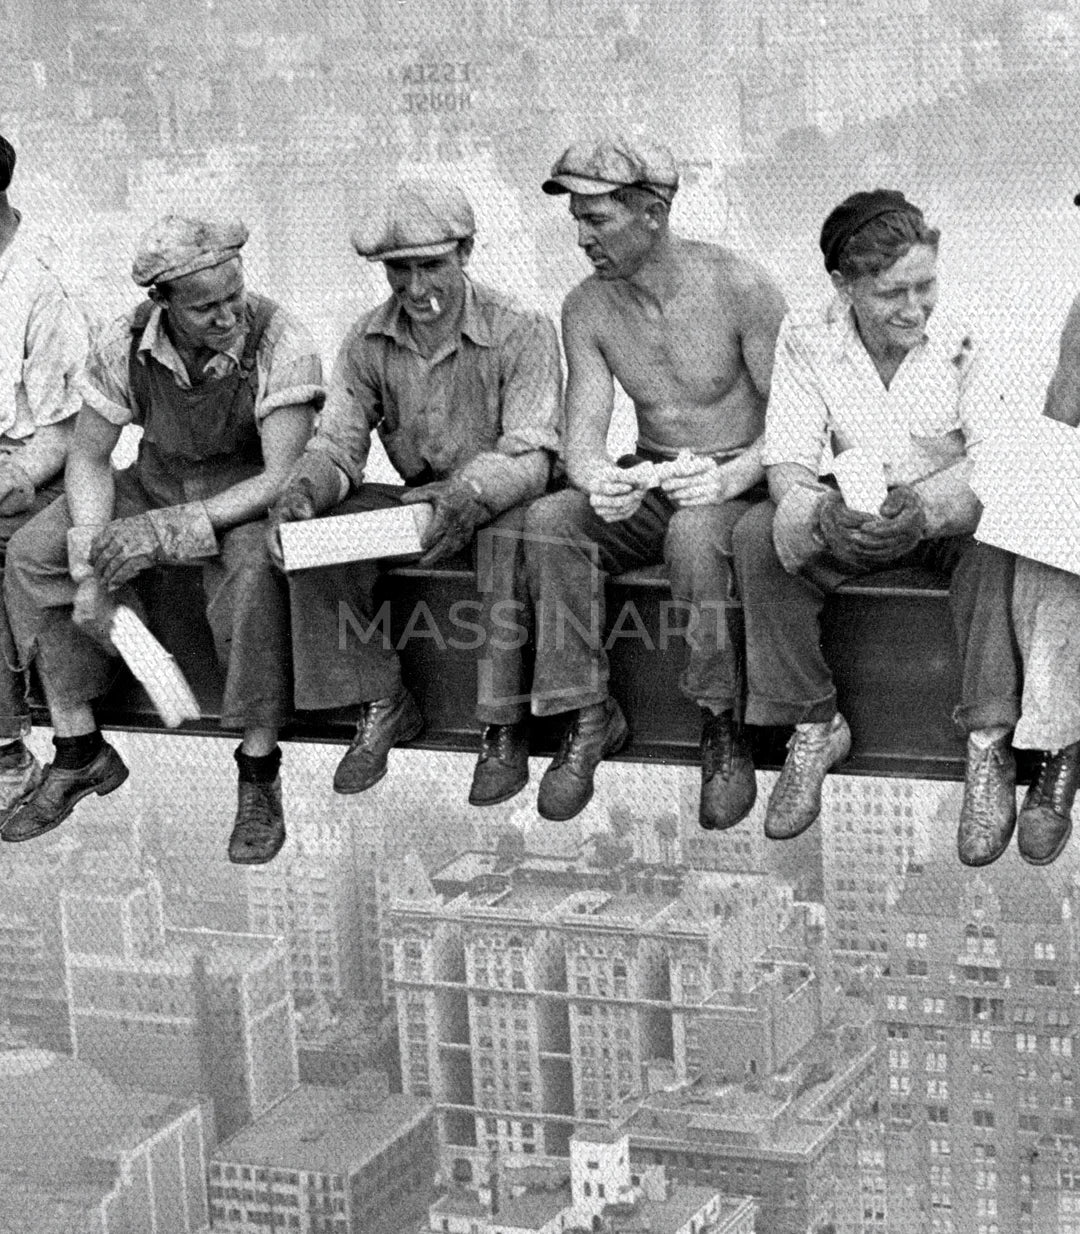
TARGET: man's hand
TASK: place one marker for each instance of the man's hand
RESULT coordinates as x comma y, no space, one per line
612,495
902,524
93,610
168,536
295,505
16,487
458,513
853,537
700,481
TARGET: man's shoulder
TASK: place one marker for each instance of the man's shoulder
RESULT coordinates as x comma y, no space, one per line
282,330
591,297
503,312
732,272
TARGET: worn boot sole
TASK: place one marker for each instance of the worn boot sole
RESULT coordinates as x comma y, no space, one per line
260,859
494,801
101,790
711,824
1058,849
350,791
622,736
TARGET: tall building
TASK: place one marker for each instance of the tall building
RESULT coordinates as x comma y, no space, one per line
975,1018
33,997
78,1152
187,1011
871,829
790,1140
352,1160
542,996
309,897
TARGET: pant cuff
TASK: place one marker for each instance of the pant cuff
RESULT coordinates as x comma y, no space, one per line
989,713
564,701
775,712
502,715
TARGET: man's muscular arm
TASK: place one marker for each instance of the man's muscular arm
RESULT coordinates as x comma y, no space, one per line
1063,393
590,400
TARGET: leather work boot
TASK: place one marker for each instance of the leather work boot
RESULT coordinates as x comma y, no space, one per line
259,831
60,791
988,812
567,785
18,780
1045,819
386,722
728,784
795,802
502,769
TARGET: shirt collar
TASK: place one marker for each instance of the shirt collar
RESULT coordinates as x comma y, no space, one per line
155,342
389,319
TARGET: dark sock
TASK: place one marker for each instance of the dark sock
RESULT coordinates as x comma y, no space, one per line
12,753
75,752
259,768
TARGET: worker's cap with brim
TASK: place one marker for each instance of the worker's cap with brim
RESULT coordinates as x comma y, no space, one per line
422,218
592,168
176,245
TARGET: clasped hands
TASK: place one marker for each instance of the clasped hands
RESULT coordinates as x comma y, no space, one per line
869,541
616,493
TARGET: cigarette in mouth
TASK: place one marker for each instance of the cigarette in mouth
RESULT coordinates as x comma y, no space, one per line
434,304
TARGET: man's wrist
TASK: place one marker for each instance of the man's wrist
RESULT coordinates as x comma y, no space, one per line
79,542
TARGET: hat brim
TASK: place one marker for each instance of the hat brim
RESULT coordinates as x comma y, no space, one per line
418,250
581,185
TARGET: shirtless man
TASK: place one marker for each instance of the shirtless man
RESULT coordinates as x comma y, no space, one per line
688,330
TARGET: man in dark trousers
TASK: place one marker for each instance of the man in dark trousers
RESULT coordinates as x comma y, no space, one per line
224,384
463,386
687,330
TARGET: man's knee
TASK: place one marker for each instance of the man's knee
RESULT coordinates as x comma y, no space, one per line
553,519
697,535
752,536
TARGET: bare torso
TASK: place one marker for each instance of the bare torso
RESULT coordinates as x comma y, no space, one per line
682,363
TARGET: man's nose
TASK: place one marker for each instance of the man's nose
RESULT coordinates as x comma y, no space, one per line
416,283
584,234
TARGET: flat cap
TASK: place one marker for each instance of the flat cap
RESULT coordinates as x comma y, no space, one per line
596,167
175,246
853,213
7,163
422,218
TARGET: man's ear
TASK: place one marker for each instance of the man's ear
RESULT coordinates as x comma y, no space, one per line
465,248
842,285
656,215
157,295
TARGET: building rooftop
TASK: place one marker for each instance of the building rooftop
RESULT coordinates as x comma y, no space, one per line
459,1203
670,1215
324,1130
57,1114
1026,896
533,1210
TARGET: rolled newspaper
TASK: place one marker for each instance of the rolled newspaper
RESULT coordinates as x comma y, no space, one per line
153,668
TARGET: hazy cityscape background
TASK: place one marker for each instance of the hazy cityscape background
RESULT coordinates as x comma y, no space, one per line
422,1016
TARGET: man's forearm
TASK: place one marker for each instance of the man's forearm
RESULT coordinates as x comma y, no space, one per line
507,480
785,476
91,490
746,470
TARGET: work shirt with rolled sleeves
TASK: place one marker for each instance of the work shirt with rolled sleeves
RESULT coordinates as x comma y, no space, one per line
494,388
827,396
287,372
43,344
